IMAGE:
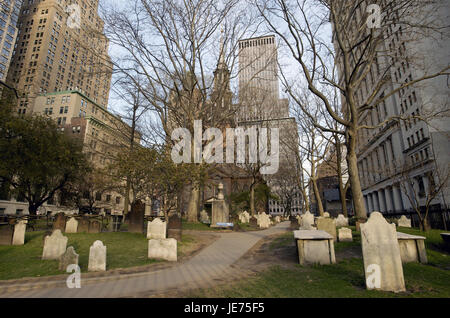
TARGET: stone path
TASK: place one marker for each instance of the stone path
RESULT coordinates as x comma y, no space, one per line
213,263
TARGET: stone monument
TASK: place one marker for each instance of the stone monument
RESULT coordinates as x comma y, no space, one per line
220,211
328,225
156,229
60,222
165,249
174,229
136,217
345,235
97,257
72,225
19,233
341,220
68,258
404,221
54,245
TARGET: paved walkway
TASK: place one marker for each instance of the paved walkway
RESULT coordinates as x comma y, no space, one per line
212,263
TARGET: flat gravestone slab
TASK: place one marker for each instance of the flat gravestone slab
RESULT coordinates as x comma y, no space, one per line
315,247
412,248
381,253
54,245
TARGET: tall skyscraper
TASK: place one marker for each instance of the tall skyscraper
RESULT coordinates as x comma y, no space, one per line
260,105
60,47
259,95
9,15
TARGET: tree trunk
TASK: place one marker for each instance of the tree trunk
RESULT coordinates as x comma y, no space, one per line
358,199
252,200
32,209
343,195
317,196
425,225
193,207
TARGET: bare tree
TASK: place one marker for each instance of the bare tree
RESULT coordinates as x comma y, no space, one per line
359,66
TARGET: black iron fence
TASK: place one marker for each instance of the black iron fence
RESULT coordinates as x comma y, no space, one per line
437,218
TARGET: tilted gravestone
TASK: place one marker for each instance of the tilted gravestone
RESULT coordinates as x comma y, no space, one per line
263,221
95,226
97,257
60,222
165,249
345,235
328,225
174,227
19,233
136,217
156,229
83,225
6,234
54,245
68,258
381,253
72,225
244,217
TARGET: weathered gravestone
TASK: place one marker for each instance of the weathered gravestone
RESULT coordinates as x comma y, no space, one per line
136,217
54,245
6,234
83,225
165,249
345,235
307,218
174,227
95,226
307,227
404,221
277,219
19,233
381,254
326,214
68,258
60,222
97,257
412,248
156,229
263,221
72,225
244,217
341,220
328,225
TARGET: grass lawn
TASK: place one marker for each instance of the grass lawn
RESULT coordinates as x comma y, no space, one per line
344,279
123,250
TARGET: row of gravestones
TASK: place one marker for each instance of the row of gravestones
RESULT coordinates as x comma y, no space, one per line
55,248
384,249
260,220
163,238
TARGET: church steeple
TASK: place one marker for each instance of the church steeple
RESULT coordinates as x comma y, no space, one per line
222,93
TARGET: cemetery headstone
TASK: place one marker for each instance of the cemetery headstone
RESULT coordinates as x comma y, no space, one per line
345,235
19,233
328,225
244,217
326,215
404,221
83,225
165,249
68,258
72,225
263,221
174,229
314,247
381,254
341,221
220,211
54,245
60,222
6,234
204,217
307,218
136,217
156,229
95,226
97,257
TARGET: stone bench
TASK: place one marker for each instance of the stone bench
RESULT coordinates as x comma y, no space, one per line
314,247
412,248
